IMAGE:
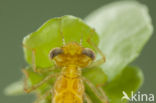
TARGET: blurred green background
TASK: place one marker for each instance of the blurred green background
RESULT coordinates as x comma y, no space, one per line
21,17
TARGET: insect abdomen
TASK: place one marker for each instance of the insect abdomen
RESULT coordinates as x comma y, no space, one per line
68,90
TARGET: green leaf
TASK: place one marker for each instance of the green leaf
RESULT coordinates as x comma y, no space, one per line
49,36
123,27
130,79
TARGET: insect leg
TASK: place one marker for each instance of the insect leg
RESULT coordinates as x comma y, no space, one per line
34,62
47,69
103,94
30,89
43,96
100,61
102,98
87,98
33,57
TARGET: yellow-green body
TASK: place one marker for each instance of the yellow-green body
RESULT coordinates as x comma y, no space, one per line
69,86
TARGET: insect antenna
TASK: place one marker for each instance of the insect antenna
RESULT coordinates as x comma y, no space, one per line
61,32
81,39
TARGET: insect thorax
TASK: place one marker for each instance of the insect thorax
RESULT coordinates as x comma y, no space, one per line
69,87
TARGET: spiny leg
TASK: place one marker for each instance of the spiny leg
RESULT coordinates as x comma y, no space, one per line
25,79
101,85
47,69
87,98
100,61
30,89
34,62
103,94
33,57
95,90
43,96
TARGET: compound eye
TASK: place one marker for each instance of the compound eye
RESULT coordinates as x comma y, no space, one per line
90,53
54,52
